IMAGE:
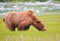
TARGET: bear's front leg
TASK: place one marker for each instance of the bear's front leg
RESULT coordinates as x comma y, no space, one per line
26,27
20,27
23,26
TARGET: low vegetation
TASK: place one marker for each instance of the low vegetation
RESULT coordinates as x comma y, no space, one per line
52,33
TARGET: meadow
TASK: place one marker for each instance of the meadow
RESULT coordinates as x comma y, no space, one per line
52,33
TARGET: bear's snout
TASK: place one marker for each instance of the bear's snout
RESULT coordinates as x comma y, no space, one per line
43,29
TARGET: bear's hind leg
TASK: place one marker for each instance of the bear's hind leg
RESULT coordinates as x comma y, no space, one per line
11,27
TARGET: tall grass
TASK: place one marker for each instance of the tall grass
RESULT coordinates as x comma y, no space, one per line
52,33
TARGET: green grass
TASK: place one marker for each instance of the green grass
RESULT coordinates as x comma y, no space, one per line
52,33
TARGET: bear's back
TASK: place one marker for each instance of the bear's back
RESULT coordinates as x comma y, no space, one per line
17,17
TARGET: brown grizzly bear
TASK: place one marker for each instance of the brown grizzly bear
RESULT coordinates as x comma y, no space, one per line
22,20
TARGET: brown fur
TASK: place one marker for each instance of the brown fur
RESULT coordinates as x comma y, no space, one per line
22,20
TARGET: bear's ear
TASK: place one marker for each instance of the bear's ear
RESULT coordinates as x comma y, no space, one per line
30,12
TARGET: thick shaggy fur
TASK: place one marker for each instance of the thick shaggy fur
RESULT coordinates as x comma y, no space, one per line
22,20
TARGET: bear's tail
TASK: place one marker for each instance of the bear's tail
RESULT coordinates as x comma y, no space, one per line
3,19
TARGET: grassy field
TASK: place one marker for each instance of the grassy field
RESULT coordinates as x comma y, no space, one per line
52,33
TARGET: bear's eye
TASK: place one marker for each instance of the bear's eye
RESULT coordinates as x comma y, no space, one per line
38,22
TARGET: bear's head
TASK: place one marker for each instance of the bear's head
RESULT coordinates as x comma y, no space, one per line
38,24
